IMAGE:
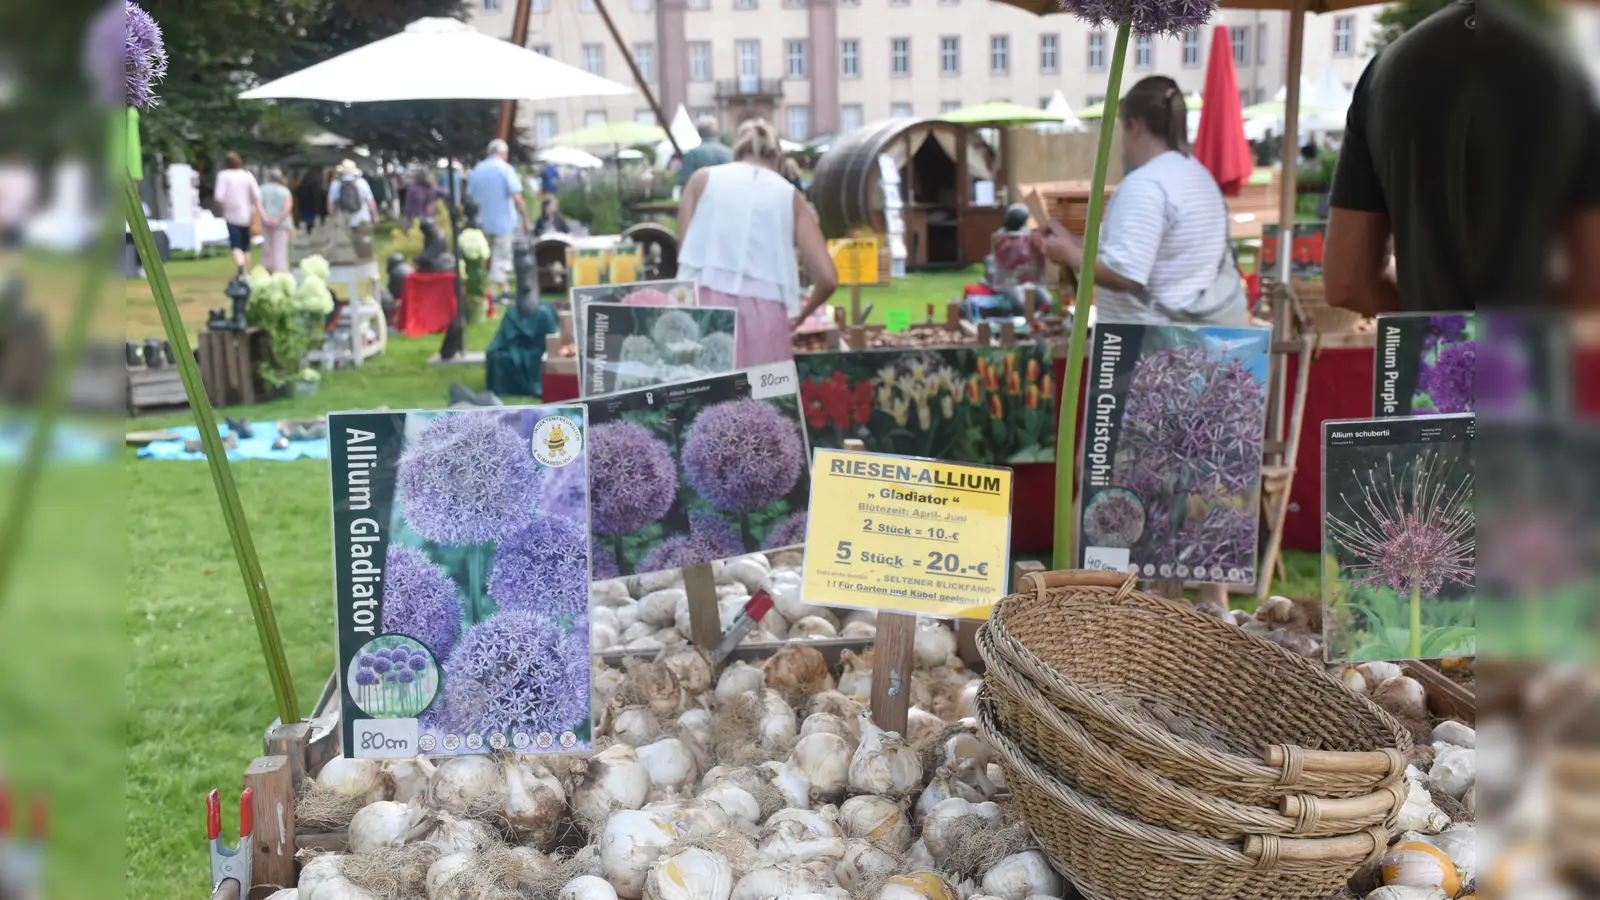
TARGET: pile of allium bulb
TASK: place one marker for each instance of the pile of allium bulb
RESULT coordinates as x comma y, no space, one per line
468,479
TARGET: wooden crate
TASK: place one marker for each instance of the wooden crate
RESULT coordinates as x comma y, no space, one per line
154,389
228,363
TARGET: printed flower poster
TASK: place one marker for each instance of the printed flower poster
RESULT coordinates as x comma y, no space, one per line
461,577
696,471
628,347
967,404
1503,364
1399,538
1171,472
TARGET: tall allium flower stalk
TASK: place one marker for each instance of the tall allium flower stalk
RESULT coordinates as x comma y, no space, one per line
1412,533
742,455
1129,17
633,482
144,63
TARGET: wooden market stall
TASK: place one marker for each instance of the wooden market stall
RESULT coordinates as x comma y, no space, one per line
949,177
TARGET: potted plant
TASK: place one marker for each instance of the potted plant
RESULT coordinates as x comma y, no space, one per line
291,311
474,272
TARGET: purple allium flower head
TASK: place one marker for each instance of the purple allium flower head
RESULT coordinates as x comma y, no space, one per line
419,600
406,676
1444,329
142,56
382,665
717,535
418,662
381,653
565,492
1409,530
468,479
602,566
791,532
1503,377
1114,518
365,660
516,671
1449,380
542,568
632,478
1144,16
366,678
742,455
673,553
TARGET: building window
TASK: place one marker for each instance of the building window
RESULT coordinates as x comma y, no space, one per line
1143,52
541,49
1240,36
700,61
1261,45
849,118
1191,49
794,4
594,59
900,110
1097,50
539,6
1344,35
641,6
744,4
644,56
491,6
899,56
796,120
850,59
794,53
949,105
644,117
1049,52
1000,54
544,128
949,56
594,117
748,55
699,4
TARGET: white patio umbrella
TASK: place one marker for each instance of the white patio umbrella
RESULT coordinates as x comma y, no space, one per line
568,156
438,59
1059,107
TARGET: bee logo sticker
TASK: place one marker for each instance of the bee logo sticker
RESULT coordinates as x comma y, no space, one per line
557,441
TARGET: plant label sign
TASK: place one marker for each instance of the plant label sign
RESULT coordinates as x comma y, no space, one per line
905,534
632,293
855,259
626,347
1170,478
461,580
1399,538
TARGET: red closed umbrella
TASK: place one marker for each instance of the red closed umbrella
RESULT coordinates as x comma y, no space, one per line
1220,144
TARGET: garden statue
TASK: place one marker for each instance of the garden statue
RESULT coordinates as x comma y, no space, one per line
398,269
526,267
435,255
238,290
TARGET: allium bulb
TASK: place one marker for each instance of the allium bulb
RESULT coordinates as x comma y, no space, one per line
419,600
884,763
318,870
742,454
452,834
633,479
825,758
386,824
468,479
542,569
629,845
516,672
636,726
362,778
1022,875
535,800
614,780
670,763
918,886
736,679
935,643
743,809
690,874
466,785
587,887
953,818
780,880
879,820
410,777
864,861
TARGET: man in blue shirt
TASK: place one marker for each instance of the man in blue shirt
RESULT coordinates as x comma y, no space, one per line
498,189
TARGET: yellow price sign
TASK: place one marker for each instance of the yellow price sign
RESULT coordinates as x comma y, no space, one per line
855,259
906,534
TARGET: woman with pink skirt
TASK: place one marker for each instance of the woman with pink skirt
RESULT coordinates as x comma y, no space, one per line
740,223
277,222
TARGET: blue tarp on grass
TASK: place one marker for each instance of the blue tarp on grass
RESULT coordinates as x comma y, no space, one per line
259,446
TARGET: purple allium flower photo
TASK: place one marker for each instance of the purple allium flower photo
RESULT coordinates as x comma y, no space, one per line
366,678
742,455
791,532
633,480
468,479
1502,380
126,56
673,553
1444,329
406,676
1411,531
1143,16
418,662
602,566
1449,380
419,600
382,665
717,535
515,672
565,491
1113,518
365,660
381,653
542,569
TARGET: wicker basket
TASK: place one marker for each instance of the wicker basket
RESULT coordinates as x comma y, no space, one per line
1110,857
1065,751
1187,696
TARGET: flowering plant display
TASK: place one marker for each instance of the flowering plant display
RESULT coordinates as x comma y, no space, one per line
474,267
1399,538
696,471
626,347
970,404
444,542
291,310
1017,260
474,244
1172,452
1425,364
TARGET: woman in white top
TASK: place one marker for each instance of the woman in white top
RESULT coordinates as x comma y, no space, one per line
1164,249
740,223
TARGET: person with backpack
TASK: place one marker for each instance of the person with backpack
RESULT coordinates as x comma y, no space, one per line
351,198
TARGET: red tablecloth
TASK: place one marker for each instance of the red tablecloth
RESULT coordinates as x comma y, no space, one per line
558,387
427,303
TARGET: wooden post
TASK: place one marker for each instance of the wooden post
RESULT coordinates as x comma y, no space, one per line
856,315
1024,567
855,338
705,621
952,315
638,79
272,806
289,742
985,333
1008,334
891,670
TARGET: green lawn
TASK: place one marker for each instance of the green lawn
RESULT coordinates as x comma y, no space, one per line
197,696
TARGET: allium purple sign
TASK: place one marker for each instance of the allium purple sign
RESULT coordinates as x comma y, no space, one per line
1172,451
461,575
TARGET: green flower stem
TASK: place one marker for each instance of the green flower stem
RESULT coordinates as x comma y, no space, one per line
1067,434
1416,619
244,550
477,582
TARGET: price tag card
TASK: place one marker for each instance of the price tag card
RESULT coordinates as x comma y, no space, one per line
855,259
905,534
897,320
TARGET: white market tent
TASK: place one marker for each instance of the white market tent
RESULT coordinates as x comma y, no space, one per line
570,157
438,59
683,131
1059,107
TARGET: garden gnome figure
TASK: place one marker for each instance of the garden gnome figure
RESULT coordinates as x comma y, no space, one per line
526,267
435,255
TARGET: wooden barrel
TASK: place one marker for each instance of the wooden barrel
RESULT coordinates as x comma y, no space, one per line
844,184
550,255
660,249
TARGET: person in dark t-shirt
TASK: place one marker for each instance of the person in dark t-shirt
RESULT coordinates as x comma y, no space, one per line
1471,141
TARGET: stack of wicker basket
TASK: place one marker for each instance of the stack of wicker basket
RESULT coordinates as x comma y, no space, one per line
1159,752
